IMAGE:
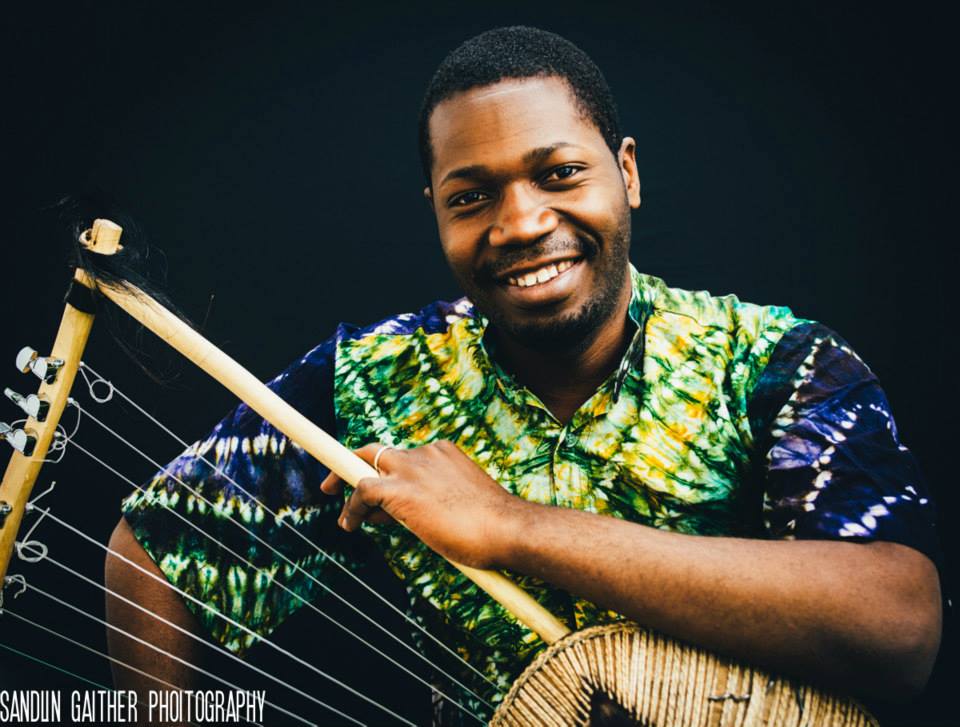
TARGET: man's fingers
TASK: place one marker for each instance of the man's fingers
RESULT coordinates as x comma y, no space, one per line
365,503
368,452
380,517
332,484
367,497
377,455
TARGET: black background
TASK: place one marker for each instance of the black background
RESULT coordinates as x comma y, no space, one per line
794,155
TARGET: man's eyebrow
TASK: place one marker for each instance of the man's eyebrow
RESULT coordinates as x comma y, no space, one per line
542,153
471,172
531,158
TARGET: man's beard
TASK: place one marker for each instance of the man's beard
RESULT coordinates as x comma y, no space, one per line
575,331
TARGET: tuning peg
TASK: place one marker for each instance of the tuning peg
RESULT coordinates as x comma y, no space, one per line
25,359
20,439
35,406
46,368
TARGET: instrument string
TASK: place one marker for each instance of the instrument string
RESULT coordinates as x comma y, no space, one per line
196,667
112,389
49,664
66,638
206,606
58,445
285,588
259,638
186,632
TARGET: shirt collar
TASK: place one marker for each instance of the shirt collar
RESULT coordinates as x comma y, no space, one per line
641,305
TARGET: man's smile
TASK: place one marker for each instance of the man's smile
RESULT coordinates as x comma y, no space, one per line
525,277
542,284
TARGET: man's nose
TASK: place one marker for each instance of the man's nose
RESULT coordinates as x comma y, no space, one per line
522,217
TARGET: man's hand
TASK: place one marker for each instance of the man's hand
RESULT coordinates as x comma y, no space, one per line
438,493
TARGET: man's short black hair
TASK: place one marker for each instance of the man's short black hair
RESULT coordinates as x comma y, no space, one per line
520,52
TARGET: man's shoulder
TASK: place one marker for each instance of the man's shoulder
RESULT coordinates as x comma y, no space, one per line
707,310
408,344
387,336
437,318
709,331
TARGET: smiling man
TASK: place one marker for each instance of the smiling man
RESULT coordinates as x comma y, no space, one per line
724,472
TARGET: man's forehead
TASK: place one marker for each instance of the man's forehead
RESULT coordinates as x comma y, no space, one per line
507,119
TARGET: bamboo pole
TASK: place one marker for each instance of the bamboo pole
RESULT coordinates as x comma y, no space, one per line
305,433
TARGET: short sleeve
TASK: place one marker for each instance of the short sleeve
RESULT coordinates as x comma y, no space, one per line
238,521
831,460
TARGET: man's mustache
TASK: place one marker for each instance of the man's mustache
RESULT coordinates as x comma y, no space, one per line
551,246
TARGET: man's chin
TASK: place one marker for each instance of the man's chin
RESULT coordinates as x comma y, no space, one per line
555,333
563,319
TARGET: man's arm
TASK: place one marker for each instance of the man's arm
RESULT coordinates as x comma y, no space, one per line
151,590
863,618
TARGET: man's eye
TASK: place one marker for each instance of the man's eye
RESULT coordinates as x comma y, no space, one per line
467,198
563,172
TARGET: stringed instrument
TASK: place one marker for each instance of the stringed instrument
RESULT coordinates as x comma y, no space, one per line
613,674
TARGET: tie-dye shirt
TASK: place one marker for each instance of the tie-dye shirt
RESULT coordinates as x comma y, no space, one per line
724,418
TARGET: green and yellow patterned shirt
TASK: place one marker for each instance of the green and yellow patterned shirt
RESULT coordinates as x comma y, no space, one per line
724,418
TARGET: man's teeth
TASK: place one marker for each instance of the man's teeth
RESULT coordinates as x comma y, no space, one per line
547,272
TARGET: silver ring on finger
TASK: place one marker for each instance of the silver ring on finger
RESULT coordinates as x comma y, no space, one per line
376,459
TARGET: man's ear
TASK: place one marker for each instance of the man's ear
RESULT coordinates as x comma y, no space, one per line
428,195
627,161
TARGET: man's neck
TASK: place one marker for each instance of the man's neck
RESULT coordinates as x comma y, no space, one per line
564,380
